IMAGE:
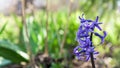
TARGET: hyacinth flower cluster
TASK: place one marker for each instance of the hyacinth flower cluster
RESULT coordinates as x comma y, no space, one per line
84,38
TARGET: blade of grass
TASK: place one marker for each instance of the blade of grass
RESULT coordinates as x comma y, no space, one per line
32,63
46,38
3,28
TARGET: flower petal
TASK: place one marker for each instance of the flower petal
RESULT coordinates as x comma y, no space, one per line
97,19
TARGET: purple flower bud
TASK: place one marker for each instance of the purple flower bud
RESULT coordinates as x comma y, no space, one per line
82,20
96,24
101,37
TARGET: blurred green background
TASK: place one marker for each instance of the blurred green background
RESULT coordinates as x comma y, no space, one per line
43,34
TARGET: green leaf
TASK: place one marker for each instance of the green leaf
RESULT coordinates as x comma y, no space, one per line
4,61
12,52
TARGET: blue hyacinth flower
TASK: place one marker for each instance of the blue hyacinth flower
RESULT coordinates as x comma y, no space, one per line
85,47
